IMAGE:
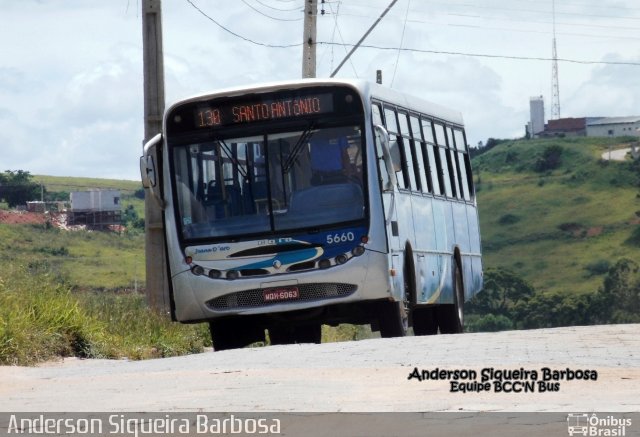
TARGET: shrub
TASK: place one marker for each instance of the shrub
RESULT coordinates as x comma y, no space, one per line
599,267
551,159
508,219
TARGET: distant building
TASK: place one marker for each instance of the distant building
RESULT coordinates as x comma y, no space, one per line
95,208
565,127
536,110
614,127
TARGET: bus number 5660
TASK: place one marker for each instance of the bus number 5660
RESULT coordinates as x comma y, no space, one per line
340,238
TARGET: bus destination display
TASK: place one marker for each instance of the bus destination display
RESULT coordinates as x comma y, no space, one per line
237,113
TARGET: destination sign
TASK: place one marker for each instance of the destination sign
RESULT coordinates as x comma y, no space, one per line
251,112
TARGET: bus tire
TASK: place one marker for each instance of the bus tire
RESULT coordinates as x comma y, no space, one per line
424,321
296,334
234,334
451,317
392,319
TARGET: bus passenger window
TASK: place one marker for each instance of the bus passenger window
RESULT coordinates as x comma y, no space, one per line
434,173
464,176
441,139
427,131
416,132
390,120
453,171
410,166
376,115
444,169
459,140
398,157
421,174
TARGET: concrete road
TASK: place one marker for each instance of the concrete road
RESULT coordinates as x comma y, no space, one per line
363,376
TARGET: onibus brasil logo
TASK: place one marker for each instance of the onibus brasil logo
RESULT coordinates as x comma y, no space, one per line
592,425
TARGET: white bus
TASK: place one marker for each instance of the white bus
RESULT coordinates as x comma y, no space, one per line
291,205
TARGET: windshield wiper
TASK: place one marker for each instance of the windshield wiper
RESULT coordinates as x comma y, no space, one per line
304,138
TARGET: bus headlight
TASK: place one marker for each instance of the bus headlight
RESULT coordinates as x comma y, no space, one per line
197,270
342,258
233,274
357,251
214,274
324,264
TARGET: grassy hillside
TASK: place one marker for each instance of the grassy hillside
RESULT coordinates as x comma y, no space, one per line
555,213
82,259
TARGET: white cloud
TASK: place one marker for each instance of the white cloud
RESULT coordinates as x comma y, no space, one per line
71,71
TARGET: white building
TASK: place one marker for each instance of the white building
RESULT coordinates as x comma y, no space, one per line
536,109
95,208
614,127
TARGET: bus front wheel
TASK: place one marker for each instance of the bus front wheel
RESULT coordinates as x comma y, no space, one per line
392,319
296,334
234,334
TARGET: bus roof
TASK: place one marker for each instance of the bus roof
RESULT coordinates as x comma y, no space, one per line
372,90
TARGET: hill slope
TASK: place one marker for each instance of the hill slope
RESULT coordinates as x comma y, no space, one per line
555,213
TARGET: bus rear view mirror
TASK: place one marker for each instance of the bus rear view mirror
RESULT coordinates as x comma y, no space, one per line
148,169
382,136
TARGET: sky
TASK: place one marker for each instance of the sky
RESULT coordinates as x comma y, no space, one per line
71,91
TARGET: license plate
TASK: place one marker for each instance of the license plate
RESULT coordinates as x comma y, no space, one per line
280,294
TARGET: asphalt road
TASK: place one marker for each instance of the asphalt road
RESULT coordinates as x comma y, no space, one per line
364,376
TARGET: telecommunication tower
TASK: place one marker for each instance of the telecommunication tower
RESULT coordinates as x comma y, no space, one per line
555,86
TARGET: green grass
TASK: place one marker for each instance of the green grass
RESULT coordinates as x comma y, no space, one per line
550,226
41,319
85,259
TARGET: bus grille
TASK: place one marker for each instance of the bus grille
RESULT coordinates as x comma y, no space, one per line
255,298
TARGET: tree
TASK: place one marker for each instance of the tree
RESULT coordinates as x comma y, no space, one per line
16,187
551,158
504,292
619,296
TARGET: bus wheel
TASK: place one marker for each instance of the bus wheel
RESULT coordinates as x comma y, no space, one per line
451,317
234,334
424,321
392,319
296,334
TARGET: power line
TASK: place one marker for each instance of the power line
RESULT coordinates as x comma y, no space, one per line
269,16
503,9
281,46
404,27
486,55
297,8
341,38
476,26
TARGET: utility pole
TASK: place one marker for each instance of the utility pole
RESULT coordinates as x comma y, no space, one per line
309,39
157,289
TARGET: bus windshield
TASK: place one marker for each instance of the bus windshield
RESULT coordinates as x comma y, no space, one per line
265,183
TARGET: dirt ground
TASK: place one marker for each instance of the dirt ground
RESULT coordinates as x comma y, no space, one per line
22,218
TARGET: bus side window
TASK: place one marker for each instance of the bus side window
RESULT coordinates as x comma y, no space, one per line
410,166
392,127
418,147
376,114
382,168
455,167
443,164
446,177
465,169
